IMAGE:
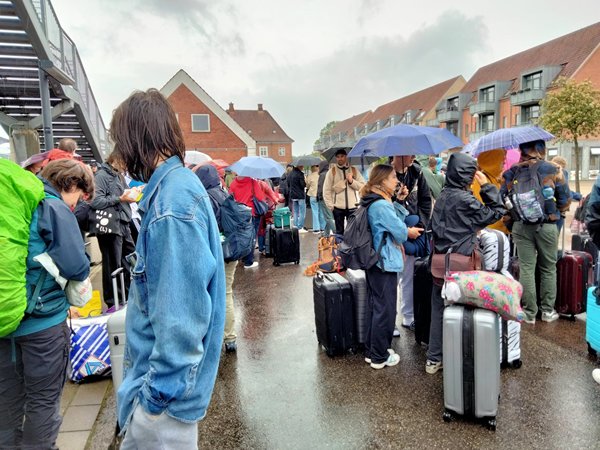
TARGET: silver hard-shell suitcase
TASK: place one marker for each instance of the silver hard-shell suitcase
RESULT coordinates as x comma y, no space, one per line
358,281
116,332
471,364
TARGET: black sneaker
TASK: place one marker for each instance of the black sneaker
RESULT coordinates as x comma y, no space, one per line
230,347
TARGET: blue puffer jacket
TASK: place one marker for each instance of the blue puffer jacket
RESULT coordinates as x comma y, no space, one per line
53,230
387,222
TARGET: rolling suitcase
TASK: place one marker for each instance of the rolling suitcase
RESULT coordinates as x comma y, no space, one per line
358,281
422,287
584,243
592,326
471,364
510,343
269,232
573,276
334,313
116,331
286,246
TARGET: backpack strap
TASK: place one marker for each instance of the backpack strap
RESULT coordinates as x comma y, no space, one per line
32,300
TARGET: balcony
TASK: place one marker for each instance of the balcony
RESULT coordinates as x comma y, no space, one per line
433,123
482,107
449,115
478,134
526,97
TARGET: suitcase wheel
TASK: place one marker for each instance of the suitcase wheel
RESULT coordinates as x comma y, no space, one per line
275,263
447,416
591,351
516,364
297,262
491,424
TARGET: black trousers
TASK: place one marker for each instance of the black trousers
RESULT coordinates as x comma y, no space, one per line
339,215
114,249
381,315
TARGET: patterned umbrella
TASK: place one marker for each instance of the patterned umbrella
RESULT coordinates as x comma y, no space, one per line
506,138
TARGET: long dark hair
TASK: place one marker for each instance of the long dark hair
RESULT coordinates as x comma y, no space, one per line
144,129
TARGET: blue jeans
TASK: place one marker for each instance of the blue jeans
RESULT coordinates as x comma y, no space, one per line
316,213
299,212
326,219
249,259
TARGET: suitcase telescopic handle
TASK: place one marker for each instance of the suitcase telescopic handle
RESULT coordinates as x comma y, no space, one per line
320,275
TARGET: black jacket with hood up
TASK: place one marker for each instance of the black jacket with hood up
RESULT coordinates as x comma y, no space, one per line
209,177
457,214
418,201
323,168
296,184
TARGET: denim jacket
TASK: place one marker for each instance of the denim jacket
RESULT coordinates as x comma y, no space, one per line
387,222
176,308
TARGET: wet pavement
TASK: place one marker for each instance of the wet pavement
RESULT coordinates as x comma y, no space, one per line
281,391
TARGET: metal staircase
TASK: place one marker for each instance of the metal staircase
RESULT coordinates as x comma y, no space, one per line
42,80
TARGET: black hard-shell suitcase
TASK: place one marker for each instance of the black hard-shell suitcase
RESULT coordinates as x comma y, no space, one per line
358,281
269,236
286,246
422,287
334,313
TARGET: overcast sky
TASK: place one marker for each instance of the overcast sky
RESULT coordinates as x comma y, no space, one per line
308,62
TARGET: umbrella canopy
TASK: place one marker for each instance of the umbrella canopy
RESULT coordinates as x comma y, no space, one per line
506,138
257,167
37,158
406,140
307,161
195,157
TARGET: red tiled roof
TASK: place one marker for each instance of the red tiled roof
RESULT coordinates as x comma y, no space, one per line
569,51
260,125
348,124
424,100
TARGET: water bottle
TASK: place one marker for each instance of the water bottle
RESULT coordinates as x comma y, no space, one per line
508,204
548,192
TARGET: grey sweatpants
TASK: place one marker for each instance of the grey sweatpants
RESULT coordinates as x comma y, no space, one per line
434,351
31,386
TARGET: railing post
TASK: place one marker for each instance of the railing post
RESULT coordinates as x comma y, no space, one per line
46,107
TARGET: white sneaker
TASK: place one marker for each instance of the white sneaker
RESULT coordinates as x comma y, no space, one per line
254,264
596,375
433,367
302,230
549,316
391,361
396,332
390,351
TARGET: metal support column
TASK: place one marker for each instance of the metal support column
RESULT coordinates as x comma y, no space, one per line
46,110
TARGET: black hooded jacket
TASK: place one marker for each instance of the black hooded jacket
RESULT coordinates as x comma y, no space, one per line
418,201
323,168
296,184
457,214
212,183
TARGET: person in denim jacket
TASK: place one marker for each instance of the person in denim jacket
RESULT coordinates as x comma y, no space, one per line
176,308
386,220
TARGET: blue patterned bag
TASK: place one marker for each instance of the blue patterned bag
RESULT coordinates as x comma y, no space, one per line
90,352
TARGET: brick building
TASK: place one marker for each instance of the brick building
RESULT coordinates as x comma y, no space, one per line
418,108
210,129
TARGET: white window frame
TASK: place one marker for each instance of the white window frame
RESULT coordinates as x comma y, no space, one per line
281,151
208,122
263,150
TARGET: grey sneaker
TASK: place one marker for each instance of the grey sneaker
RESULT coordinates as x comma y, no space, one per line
391,361
230,347
433,367
549,316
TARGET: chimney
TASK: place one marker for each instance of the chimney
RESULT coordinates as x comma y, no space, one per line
230,107
260,106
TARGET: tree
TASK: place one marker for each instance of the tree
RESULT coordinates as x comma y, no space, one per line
572,111
326,130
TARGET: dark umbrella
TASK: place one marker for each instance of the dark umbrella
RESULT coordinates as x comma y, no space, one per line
307,161
354,160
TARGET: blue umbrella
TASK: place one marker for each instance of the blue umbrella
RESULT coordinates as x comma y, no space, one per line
257,167
406,140
506,138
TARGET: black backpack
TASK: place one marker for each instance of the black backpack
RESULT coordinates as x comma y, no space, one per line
357,250
525,192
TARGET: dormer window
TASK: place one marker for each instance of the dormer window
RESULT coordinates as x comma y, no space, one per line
452,104
532,81
488,94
